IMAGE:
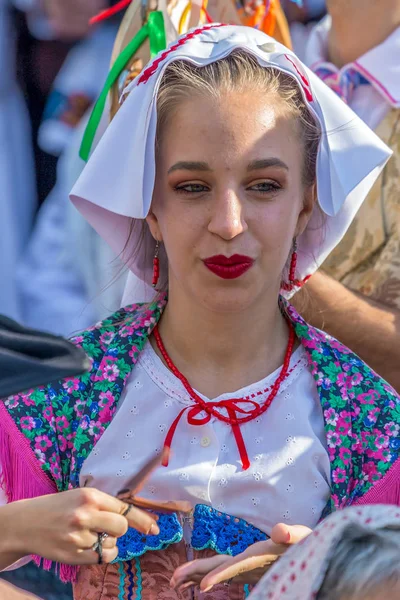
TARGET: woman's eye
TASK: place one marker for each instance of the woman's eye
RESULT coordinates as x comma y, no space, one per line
265,187
191,188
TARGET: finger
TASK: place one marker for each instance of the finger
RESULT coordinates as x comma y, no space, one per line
167,507
110,543
142,521
243,563
289,534
107,522
195,570
89,557
136,483
185,586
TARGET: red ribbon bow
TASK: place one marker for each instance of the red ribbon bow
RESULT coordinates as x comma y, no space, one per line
233,409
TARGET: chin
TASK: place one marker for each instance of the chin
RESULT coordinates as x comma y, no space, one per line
228,300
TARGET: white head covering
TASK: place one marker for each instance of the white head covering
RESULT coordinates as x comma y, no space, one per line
300,572
117,184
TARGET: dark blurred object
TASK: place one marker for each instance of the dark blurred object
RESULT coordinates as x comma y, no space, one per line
36,581
31,358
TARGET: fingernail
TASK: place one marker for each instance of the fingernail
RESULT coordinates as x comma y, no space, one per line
154,529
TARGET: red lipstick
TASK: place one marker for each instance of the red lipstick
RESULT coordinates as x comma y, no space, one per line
230,267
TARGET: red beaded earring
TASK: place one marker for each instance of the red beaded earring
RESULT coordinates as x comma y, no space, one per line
156,265
293,264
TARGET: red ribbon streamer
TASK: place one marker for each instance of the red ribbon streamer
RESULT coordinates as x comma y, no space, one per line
110,12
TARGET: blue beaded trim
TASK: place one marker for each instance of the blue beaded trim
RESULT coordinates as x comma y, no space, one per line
134,543
223,533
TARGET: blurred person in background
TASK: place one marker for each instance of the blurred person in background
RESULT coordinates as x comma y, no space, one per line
302,17
356,51
69,278
52,18
18,200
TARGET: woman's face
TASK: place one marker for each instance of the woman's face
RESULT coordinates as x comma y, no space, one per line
229,184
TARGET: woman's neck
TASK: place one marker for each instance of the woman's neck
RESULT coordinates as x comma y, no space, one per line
358,26
223,352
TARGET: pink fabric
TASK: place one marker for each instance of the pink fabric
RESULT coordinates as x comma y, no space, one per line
22,478
386,490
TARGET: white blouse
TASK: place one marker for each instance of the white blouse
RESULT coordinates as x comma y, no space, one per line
289,477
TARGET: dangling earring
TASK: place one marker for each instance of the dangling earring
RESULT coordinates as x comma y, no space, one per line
293,264
156,265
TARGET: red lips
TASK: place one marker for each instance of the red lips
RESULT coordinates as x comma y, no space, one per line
228,267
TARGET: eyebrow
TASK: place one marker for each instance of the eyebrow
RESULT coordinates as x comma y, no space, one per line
255,165
264,163
189,166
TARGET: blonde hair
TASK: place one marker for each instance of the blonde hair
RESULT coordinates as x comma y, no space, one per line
240,71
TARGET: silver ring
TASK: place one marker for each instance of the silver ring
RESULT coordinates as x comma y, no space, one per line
98,546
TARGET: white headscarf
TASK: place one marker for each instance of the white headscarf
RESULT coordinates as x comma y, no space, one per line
300,572
117,184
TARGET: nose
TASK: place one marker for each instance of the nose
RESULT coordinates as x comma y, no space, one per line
227,219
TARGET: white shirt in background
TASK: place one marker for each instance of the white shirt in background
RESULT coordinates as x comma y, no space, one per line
381,66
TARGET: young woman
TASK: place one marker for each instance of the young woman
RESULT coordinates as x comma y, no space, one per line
224,181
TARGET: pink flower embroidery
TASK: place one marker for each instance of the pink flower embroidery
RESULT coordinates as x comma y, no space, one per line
27,423
61,423
339,475
331,416
106,398
42,442
345,455
110,372
392,429
333,439
71,385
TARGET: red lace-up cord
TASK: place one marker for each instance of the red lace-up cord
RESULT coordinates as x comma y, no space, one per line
237,415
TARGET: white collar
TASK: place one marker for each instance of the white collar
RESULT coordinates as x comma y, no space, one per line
381,65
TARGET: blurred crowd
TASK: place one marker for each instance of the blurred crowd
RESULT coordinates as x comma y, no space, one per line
55,273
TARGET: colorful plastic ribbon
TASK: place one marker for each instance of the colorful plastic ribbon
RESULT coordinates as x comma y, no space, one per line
154,29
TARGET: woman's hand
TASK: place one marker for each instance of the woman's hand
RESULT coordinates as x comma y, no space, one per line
247,567
63,527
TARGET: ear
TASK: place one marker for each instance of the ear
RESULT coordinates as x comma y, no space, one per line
154,227
310,198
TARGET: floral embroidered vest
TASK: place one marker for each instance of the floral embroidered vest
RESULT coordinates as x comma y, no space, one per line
367,260
47,433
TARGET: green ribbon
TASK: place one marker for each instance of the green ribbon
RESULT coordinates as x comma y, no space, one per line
154,29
